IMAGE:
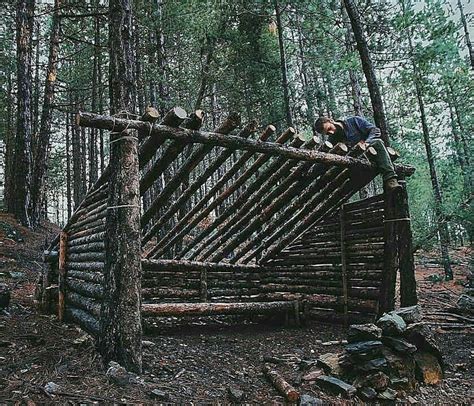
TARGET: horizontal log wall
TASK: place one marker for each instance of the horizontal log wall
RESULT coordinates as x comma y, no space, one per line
356,258
85,256
310,269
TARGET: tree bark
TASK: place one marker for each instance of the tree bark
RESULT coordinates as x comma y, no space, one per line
466,34
68,166
438,200
283,66
369,71
9,147
42,146
22,155
120,325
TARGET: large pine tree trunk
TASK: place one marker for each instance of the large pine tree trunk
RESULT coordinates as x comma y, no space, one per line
121,329
467,38
42,147
368,68
283,66
161,58
68,166
9,146
22,155
76,163
304,74
443,227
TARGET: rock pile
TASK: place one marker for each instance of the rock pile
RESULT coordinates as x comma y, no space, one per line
384,359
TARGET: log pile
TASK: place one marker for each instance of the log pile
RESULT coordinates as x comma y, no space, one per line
384,359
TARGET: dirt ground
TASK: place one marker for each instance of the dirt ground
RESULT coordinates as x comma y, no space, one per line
198,362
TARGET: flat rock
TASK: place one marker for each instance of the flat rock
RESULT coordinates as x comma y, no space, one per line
307,400
377,364
388,394
400,366
428,369
312,375
367,393
363,332
159,394
424,339
466,302
52,388
335,386
377,380
364,350
330,363
399,345
235,394
410,314
391,324
118,375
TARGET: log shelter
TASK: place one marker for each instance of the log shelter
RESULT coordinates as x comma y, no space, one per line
277,231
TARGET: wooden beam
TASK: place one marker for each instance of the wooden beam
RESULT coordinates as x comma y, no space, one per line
233,142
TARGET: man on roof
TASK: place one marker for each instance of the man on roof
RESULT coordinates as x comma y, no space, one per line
353,130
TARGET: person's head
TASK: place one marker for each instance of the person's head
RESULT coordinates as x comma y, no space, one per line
325,126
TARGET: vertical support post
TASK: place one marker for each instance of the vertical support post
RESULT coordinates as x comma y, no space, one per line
408,295
121,327
120,336
203,287
389,276
62,275
342,221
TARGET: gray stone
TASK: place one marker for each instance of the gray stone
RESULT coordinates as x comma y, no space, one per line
411,314
401,366
312,375
424,339
364,350
466,302
52,388
378,381
120,376
377,364
368,393
335,386
307,400
236,395
363,332
159,394
428,369
388,394
330,363
399,345
391,324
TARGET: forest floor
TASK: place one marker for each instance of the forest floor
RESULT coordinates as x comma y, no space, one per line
198,363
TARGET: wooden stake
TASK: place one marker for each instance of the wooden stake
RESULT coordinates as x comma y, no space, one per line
62,274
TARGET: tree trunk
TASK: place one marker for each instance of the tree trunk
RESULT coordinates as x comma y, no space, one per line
9,147
443,229
121,328
22,155
466,34
42,147
368,68
304,75
68,166
161,58
76,163
283,67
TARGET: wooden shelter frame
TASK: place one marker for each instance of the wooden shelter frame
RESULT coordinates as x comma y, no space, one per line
287,207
